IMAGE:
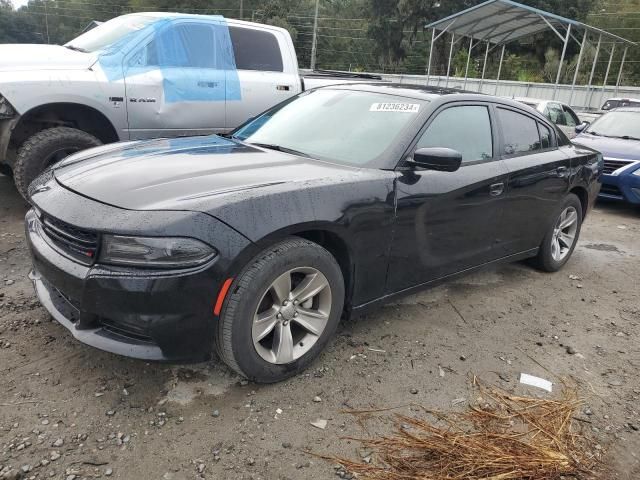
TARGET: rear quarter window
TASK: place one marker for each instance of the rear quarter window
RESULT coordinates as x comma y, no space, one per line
520,132
256,49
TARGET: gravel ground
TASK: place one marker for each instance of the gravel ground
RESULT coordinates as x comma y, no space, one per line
68,411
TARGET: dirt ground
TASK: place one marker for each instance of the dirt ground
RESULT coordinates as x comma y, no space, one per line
68,411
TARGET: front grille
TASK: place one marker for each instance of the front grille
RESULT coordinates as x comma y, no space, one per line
80,244
611,166
610,190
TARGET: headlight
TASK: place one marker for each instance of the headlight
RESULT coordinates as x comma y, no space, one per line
637,172
6,110
168,252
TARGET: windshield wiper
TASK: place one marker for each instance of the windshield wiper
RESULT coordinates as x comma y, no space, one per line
628,137
594,133
279,148
77,49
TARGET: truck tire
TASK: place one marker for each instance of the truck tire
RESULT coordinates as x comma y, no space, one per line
46,148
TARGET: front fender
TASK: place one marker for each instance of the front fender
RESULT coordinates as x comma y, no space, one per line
29,90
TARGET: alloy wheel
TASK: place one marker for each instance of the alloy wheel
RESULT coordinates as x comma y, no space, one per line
291,315
564,234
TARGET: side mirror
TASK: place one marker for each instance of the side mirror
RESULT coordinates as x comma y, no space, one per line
582,127
436,158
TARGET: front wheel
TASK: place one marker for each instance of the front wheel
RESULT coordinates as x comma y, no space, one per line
281,311
562,237
46,148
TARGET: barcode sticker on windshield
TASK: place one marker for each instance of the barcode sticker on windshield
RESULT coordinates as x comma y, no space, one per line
395,107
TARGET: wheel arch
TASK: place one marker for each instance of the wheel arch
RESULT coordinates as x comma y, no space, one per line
68,114
325,234
583,196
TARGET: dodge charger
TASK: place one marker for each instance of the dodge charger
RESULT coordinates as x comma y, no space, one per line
257,244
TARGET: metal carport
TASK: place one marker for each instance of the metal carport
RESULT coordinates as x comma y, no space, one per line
499,22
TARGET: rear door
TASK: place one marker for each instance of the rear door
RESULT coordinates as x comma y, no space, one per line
450,221
265,74
538,177
176,81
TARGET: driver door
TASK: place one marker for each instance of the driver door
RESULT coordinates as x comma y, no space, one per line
450,221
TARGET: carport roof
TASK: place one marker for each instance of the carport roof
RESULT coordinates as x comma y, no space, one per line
502,21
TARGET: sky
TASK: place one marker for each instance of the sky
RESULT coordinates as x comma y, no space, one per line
19,3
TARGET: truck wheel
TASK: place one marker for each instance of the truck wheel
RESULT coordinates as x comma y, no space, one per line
46,148
281,311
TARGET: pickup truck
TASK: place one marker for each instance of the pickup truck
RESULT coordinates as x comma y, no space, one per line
139,76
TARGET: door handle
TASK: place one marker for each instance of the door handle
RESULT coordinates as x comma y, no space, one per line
561,171
496,189
284,88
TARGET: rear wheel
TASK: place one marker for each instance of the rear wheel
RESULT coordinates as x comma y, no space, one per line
562,237
46,148
281,311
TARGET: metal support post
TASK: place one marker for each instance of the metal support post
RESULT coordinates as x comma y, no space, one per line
484,67
453,38
499,69
624,56
575,74
466,71
564,51
433,39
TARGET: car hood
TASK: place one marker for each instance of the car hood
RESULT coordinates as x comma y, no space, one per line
611,147
21,57
173,174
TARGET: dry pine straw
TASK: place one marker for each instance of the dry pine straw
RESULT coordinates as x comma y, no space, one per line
499,437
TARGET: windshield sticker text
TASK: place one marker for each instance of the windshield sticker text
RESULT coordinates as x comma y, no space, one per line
395,107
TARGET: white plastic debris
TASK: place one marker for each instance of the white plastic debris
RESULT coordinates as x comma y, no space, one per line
320,423
527,379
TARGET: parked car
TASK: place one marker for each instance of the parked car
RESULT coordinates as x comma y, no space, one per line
620,102
331,203
561,114
141,76
617,135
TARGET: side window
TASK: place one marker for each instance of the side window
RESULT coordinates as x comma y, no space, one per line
466,129
183,45
556,115
570,117
546,137
520,132
256,50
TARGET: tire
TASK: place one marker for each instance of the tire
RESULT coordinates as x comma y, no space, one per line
545,260
252,289
46,148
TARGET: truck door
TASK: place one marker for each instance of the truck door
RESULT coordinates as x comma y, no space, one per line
266,72
176,81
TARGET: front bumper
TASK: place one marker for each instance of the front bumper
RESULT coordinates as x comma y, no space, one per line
146,314
624,186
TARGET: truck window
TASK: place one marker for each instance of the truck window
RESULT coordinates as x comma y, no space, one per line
182,45
256,49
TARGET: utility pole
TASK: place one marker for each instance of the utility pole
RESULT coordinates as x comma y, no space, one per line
46,21
241,8
314,40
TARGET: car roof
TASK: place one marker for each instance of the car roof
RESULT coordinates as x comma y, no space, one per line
538,100
427,93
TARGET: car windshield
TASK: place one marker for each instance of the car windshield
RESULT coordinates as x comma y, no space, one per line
109,32
343,126
617,124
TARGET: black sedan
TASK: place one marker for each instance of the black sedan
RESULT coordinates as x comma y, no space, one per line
257,244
